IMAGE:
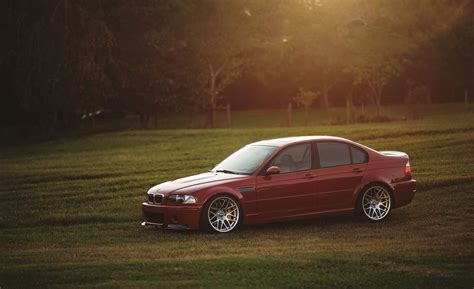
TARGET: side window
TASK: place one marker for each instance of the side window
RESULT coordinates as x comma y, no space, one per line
333,154
358,155
293,159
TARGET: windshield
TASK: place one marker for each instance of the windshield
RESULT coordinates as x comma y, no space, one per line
246,160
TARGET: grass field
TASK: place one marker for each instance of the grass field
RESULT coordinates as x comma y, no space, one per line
70,215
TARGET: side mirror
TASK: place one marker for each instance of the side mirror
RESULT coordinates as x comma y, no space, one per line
273,170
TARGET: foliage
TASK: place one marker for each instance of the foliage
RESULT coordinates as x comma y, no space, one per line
63,59
305,98
64,75
419,95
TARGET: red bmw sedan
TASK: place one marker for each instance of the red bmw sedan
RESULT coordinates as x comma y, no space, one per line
285,179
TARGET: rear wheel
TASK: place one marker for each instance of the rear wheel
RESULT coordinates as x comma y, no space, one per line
375,203
221,214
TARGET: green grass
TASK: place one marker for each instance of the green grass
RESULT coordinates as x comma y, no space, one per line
70,215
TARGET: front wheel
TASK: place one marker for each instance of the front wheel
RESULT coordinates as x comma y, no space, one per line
221,214
375,203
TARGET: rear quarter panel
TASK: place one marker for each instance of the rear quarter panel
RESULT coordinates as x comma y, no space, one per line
389,171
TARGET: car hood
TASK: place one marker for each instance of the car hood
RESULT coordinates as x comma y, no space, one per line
200,179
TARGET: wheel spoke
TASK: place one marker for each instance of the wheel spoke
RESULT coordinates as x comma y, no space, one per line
376,203
223,214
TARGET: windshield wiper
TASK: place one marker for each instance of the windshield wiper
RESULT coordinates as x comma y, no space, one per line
227,172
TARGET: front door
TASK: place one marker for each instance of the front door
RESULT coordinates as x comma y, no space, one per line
288,193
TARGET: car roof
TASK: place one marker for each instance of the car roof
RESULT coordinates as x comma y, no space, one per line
279,142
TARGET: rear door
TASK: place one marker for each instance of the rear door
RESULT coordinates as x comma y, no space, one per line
342,167
290,192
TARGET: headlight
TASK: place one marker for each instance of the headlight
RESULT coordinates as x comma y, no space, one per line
182,199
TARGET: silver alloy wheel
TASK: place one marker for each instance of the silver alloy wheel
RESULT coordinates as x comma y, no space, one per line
376,203
223,214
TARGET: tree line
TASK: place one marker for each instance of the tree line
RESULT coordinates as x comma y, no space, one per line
64,61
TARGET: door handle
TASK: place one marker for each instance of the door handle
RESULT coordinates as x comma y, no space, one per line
357,170
309,176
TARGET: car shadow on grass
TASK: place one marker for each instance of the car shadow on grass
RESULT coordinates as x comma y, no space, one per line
336,223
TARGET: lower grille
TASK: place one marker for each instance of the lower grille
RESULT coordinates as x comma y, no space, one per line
155,199
154,217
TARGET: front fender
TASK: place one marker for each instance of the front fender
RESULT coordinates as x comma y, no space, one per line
221,190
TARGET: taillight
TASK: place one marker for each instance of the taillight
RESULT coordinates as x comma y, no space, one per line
408,169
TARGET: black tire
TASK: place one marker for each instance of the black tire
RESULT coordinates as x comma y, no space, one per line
224,220
374,203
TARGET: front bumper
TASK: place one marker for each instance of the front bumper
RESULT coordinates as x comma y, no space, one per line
165,215
404,192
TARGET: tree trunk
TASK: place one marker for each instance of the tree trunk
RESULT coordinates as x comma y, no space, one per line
52,124
212,98
325,98
228,115
349,106
191,118
305,115
213,120
430,97
155,120
377,104
93,120
325,90
144,119
466,100
289,115
376,86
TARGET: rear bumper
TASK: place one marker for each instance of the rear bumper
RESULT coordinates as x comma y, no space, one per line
161,215
404,192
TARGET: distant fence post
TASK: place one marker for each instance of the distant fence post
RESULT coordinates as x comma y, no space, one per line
289,114
228,115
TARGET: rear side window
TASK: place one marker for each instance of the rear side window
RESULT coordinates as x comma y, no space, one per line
294,158
332,154
358,155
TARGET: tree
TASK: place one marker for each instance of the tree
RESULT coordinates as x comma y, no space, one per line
441,50
59,60
305,99
377,49
150,56
305,47
219,35
326,43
